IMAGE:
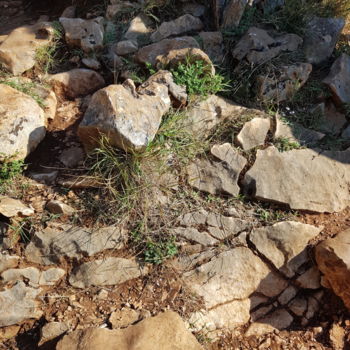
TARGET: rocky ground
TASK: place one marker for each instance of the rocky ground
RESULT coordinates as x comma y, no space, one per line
174,175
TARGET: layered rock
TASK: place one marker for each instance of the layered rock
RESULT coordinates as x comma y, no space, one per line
253,133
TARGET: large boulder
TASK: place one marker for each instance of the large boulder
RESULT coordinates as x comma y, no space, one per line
321,35
76,82
184,24
338,80
130,118
86,34
22,123
333,259
166,331
18,50
304,179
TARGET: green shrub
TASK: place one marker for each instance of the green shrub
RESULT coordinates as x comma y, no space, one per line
158,252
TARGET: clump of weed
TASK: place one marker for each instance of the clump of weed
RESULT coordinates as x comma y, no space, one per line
28,88
284,144
9,171
197,77
156,252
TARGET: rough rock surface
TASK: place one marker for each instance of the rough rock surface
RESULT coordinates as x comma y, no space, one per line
129,118
282,85
18,50
213,45
84,33
8,261
258,47
304,179
18,304
138,28
22,123
283,244
295,132
155,53
105,272
333,259
253,133
233,13
321,35
76,82
338,80
49,246
166,331
181,25
123,318
52,330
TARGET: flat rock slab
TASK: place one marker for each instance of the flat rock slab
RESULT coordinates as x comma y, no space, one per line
10,207
50,245
333,259
304,179
181,25
130,119
18,304
8,261
166,331
105,272
19,112
253,133
283,244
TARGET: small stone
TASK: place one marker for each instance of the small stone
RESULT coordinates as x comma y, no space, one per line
32,274
57,207
126,47
253,133
91,63
213,45
310,279
52,330
287,295
69,12
10,207
8,261
139,29
336,336
72,157
298,306
51,276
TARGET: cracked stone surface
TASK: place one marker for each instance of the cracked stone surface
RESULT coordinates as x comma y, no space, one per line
305,179
253,133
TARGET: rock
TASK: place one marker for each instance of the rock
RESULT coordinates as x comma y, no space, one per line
310,279
213,45
167,331
8,261
296,177
57,207
194,235
253,133
130,118
71,157
336,336
76,82
86,34
156,53
333,260
119,7
18,50
194,9
233,13
18,304
139,29
321,35
9,332
295,132
126,47
282,85
332,121
204,116
227,316
287,295
298,306
283,244
212,177
91,63
10,207
105,272
338,80
180,25
123,318
69,12
258,47
232,275
34,276
19,112
47,177
52,330
279,319
178,93
50,245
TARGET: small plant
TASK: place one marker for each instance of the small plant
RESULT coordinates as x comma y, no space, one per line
28,88
10,170
284,144
197,77
157,252
21,229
